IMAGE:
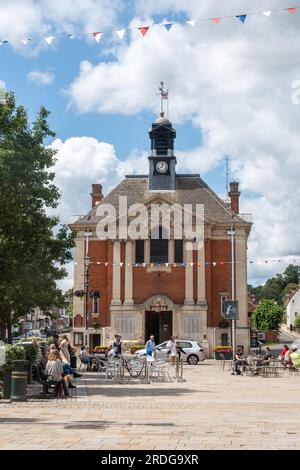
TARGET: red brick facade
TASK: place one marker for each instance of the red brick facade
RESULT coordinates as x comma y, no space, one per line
170,284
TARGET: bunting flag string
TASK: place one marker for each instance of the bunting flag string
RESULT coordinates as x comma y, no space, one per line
212,264
97,36
144,29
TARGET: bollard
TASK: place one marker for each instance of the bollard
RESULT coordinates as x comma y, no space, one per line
19,381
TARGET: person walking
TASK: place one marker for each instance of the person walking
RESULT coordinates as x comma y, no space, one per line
150,348
172,350
117,345
64,350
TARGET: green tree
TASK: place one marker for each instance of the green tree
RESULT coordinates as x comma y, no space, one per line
267,315
292,274
33,248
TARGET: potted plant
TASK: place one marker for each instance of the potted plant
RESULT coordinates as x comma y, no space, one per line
101,349
12,353
135,348
31,352
225,350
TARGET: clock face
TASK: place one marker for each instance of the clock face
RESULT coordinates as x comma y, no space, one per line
161,167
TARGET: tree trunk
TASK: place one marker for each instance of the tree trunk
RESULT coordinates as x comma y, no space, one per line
2,332
9,336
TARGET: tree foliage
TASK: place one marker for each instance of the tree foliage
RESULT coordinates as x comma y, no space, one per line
276,288
33,248
267,315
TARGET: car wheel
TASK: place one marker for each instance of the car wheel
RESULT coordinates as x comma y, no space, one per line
192,360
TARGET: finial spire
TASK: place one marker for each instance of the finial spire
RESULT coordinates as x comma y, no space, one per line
164,95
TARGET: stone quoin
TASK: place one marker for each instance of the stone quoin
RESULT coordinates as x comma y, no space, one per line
162,286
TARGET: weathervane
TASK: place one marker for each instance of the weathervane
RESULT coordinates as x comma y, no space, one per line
164,95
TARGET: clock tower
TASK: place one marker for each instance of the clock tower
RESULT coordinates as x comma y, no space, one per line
162,175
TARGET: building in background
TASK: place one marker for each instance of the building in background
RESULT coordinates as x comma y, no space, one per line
164,286
292,305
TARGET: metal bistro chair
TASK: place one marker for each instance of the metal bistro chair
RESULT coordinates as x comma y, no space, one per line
159,371
112,368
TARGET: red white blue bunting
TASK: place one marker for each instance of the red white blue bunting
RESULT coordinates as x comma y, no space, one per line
145,29
207,264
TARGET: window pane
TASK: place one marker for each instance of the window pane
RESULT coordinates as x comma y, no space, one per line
159,251
139,251
178,251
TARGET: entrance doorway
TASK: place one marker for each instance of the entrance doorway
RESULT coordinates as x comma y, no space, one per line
158,324
95,340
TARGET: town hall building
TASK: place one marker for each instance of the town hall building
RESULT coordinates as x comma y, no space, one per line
167,285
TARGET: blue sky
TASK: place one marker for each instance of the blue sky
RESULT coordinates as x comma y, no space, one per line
230,94
63,59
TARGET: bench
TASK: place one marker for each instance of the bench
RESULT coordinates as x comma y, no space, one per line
45,380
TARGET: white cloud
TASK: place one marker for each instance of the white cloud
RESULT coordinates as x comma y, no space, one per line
234,82
82,161
41,77
21,19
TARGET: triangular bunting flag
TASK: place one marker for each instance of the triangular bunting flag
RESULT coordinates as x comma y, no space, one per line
175,265
191,22
267,13
25,41
168,26
49,39
121,264
97,36
214,263
144,30
121,33
242,18
292,10
3,42
216,20
71,36
106,264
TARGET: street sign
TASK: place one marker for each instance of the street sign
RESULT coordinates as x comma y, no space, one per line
28,325
230,309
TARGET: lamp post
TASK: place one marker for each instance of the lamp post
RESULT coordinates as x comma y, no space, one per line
231,232
87,261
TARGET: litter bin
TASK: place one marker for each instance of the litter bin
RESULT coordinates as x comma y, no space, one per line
19,381
73,361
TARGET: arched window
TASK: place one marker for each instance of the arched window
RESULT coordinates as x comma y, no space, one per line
95,305
159,249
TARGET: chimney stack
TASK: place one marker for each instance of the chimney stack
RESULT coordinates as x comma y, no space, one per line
96,194
234,195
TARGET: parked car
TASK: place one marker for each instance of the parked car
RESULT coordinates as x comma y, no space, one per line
193,351
35,333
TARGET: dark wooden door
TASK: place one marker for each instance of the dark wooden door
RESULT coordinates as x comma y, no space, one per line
165,326
158,324
95,340
152,325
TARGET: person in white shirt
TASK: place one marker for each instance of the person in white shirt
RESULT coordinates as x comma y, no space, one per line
172,349
55,369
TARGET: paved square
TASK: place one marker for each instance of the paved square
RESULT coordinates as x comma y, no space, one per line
211,410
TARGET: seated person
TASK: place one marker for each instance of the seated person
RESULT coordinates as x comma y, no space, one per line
281,357
85,357
68,370
266,359
239,360
295,357
54,368
287,358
